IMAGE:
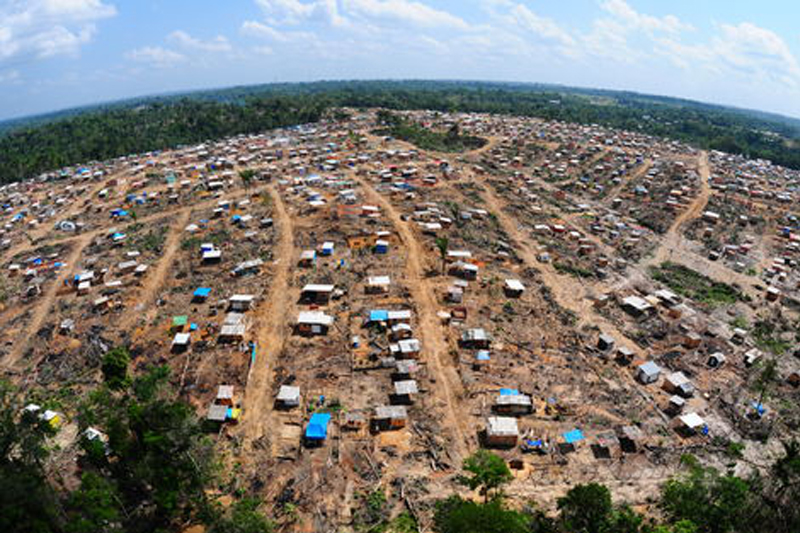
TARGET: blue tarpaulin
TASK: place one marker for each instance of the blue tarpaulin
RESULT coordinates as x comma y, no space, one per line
483,355
573,436
317,428
202,292
378,316
509,392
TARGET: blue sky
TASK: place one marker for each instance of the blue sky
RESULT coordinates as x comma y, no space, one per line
61,53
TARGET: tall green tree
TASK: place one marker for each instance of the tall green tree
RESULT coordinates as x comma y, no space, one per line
586,508
487,472
115,367
456,515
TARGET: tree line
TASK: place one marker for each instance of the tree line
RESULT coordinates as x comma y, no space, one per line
37,145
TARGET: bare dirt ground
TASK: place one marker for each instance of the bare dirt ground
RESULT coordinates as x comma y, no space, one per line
45,304
431,331
676,248
153,283
272,331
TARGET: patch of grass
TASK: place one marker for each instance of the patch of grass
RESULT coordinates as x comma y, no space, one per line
191,243
740,322
691,284
154,240
573,270
764,334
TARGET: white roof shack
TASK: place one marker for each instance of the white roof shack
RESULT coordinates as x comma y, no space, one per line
225,393
241,301
289,395
501,426
180,339
459,254
515,285
379,281
311,287
405,346
314,318
406,387
692,421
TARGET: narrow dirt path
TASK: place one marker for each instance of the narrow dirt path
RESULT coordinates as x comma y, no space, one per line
570,293
45,305
273,313
673,239
676,248
153,283
630,178
431,332
73,209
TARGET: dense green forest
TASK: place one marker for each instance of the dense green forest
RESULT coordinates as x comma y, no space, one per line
440,141
31,146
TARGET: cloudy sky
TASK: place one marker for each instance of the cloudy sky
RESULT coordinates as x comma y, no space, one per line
62,53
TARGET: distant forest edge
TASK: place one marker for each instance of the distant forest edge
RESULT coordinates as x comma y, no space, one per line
34,145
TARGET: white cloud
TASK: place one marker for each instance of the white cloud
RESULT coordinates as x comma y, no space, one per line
44,28
156,56
12,76
263,50
184,40
294,11
751,49
257,29
414,13
78,10
639,21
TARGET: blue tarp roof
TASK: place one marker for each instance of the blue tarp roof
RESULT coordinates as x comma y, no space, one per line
483,355
573,436
378,316
509,392
318,426
202,292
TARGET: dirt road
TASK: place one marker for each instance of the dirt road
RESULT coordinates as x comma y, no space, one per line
432,333
273,313
570,293
144,311
674,247
673,239
44,306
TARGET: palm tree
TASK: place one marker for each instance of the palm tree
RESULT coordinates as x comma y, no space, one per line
247,176
442,243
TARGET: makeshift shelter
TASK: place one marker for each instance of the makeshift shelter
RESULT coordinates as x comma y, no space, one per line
629,438
180,342
571,438
691,423
225,395
201,294
476,338
404,391
501,431
678,383
288,397
511,402
240,302
313,323
648,372
317,429
388,417
513,288
316,294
